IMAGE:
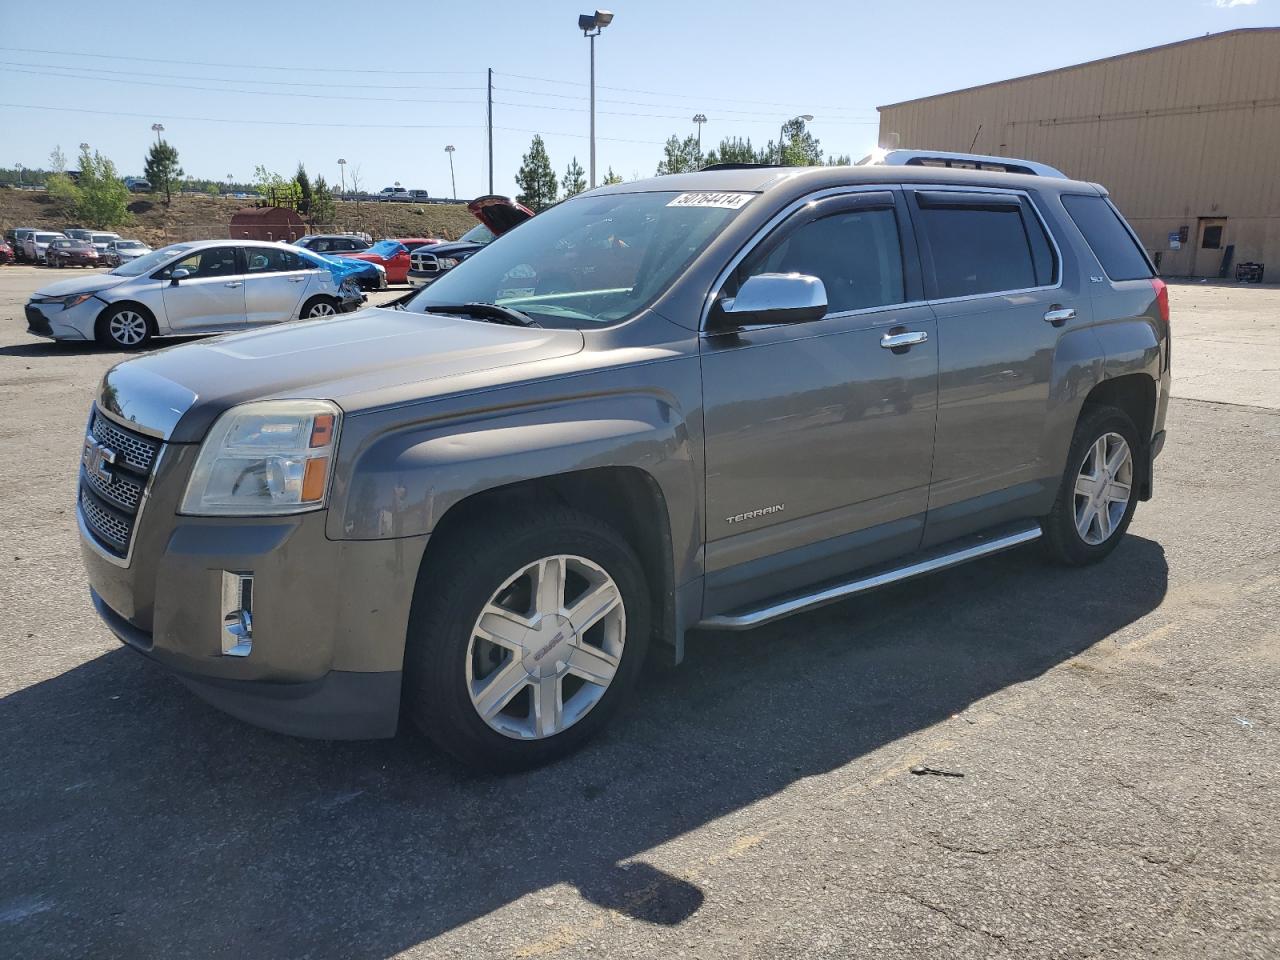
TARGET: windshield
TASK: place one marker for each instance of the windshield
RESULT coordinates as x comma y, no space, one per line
147,262
47,237
477,234
103,237
130,245
588,261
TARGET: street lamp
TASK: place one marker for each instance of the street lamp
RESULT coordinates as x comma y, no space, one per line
699,119
159,129
591,24
19,167
342,167
452,182
806,117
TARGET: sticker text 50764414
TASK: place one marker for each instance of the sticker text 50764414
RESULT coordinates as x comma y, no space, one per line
729,201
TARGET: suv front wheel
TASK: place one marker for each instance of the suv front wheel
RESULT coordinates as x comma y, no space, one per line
1097,497
525,637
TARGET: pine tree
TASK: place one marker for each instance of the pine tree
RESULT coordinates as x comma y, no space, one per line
611,177
304,190
537,178
575,180
162,168
680,156
323,209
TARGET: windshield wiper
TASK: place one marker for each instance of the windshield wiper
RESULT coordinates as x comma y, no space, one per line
492,312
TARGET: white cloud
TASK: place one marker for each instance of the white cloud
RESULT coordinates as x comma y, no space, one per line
1234,3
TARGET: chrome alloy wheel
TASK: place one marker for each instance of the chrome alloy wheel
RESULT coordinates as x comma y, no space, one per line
128,328
1104,485
322,309
546,647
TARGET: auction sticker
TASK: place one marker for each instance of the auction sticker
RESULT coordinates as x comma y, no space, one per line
728,201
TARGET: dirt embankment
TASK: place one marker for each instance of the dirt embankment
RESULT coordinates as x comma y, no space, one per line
192,217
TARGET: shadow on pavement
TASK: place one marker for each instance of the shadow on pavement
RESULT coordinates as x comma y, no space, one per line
137,821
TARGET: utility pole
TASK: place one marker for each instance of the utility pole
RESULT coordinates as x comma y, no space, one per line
490,125
453,182
159,129
591,24
699,119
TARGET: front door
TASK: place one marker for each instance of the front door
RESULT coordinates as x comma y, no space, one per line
210,296
275,282
1210,243
995,282
819,436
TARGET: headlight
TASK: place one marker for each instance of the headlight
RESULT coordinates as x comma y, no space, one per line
447,263
264,458
75,300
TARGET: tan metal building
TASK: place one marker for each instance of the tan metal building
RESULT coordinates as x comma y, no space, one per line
1185,136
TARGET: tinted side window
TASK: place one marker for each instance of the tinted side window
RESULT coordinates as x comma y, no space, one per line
978,249
856,254
1111,243
214,262
273,261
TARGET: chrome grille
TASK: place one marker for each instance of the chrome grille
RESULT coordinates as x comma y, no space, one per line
112,490
425,263
136,450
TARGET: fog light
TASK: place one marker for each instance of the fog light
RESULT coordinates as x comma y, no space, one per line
237,614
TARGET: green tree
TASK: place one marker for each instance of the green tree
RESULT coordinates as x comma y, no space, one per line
63,193
611,177
680,156
104,199
735,150
162,168
800,148
537,178
278,191
57,160
304,190
323,208
575,180
838,160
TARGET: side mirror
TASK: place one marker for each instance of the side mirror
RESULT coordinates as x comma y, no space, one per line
769,298
178,274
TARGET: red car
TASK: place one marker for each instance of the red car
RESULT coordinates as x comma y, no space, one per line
65,252
6,252
391,255
413,243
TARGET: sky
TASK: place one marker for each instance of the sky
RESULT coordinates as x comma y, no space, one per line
387,86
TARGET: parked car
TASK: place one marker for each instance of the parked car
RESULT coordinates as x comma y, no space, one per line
421,195
102,241
137,185
393,193
210,286
332,243
36,243
65,252
391,256
413,243
496,214
16,237
6,252
710,399
122,251
79,233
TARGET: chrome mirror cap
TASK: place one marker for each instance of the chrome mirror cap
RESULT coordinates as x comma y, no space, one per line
769,298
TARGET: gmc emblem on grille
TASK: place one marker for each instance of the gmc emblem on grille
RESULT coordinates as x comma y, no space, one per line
97,459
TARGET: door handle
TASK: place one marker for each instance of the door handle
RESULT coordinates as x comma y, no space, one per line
297,279
1058,315
899,341
234,283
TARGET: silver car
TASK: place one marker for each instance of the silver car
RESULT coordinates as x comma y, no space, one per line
124,251
208,286
36,245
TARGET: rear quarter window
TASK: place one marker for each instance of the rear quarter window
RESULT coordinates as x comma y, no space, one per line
1121,258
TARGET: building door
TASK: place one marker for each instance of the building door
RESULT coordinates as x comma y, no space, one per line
1210,243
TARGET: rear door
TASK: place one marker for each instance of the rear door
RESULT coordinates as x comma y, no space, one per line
275,282
210,297
819,435
994,277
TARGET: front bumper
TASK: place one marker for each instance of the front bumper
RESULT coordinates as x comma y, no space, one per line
50,320
422,279
329,617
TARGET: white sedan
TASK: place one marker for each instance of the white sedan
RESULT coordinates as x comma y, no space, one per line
208,286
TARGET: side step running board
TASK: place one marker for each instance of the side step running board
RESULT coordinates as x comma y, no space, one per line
941,561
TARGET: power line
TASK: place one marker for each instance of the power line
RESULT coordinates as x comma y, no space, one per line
232,66
770,116
661,116
274,83
252,93
579,136
269,123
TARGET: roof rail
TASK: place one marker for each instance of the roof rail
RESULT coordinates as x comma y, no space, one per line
737,165
962,161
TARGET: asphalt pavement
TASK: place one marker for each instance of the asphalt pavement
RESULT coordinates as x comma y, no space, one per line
1112,734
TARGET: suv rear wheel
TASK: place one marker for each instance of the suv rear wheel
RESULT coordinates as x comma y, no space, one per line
525,638
1097,498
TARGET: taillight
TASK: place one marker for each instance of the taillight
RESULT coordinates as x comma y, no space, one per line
1162,298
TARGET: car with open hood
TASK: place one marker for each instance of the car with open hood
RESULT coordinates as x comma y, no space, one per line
207,286
497,215
705,400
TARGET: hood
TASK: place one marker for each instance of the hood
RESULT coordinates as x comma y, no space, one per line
499,214
359,360
449,248
89,284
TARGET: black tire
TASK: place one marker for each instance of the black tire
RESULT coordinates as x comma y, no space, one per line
103,328
1062,539
455,584
314,303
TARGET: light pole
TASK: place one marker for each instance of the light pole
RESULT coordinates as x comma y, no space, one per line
342,168
19,166
699,119
591,24
159,129
452,182
806,117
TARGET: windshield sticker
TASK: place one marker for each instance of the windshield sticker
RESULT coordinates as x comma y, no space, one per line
728,201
